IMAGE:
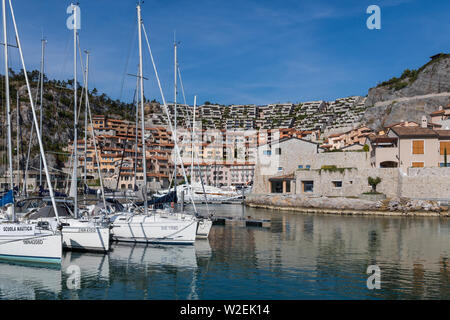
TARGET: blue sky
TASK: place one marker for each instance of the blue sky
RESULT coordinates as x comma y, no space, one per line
240,51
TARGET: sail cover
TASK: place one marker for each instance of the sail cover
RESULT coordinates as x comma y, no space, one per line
73,184
6,198
170,197
88,190
46,193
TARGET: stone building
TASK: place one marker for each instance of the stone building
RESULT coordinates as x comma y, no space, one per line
295,166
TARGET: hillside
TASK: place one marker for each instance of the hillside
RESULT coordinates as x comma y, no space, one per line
57,116
409,97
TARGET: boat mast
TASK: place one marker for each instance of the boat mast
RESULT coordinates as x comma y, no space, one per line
17,144
175,107
8,107
35,121
43,41
192,142
140,75
75,135
86,116
136,97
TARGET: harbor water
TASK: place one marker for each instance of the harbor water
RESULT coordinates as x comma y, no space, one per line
301,256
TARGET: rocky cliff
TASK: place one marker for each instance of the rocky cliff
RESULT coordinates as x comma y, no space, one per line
414,94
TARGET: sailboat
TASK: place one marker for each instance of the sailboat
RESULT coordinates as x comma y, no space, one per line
77,233
156,226
23,241
81,234
204,223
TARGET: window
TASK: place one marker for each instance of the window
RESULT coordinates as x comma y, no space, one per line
278,151
417,147
445,145
417,164
280,168
277,187
308,166
288,186
337,184
300,166
308,186
442,165
267,152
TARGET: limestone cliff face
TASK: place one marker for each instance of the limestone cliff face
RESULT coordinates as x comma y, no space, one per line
409,97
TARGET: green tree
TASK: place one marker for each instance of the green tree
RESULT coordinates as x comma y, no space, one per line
373,183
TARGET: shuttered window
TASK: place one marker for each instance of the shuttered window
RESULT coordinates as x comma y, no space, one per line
418,147
445,145
417,164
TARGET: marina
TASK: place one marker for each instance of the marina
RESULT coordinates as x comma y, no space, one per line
291,180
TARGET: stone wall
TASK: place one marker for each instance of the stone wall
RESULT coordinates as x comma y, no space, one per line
426,183
349,159
354,181
416,183
297,153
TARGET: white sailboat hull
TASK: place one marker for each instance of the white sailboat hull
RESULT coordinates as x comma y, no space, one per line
90,238
82,235
203,229
41,248
154,229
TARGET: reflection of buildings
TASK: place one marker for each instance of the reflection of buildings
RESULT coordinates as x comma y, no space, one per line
335,251
228,243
